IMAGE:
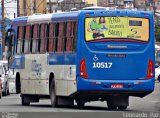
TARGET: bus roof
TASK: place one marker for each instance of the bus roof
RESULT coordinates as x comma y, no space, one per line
70,16
43,18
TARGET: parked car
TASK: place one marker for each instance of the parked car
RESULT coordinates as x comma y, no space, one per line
157,72
4,77
0,88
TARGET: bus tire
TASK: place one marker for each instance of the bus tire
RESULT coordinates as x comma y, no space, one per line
18,84
80,103
8,92
158,78
0,95
122,107
24,100
5,91
53,96
111,106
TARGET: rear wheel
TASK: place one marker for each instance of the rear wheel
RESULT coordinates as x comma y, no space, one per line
53,96
24,100
122,107
5,91
158,78
0,95
80,103
8,92
110,105
18,84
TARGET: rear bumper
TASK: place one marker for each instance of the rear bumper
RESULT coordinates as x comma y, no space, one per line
131,87
104,95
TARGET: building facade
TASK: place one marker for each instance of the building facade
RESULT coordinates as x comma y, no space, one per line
29,7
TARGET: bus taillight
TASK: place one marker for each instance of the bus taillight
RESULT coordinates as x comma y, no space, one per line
83,69
150,71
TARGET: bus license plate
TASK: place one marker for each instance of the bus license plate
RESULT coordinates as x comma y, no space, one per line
117,86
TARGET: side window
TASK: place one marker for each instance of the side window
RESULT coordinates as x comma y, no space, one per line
60,38
43,37
55,35
27,39
20,39
64,36
51,42
71,36
74,31
11,49
35,47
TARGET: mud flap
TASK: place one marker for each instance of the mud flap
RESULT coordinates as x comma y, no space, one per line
65,101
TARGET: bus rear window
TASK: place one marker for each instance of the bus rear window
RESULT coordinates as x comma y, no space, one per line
128,28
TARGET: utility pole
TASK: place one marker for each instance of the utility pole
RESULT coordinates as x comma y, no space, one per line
24,6
3,29
50,7
31,7
35,7
18,10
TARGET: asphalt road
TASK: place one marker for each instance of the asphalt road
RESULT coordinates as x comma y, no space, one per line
150,103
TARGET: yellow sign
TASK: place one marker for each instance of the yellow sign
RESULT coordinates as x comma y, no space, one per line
117,27
92,2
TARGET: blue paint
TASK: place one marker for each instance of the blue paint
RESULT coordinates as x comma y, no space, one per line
62,17
61,59
18,62
85,84
132,68
20,20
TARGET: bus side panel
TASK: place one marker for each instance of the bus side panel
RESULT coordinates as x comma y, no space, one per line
64,68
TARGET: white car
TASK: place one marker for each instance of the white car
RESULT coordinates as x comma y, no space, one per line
0,88
4,77
157,73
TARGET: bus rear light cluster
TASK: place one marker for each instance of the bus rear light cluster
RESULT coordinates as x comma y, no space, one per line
83,69
150,71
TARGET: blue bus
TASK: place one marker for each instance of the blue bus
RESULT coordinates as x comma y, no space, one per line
86,55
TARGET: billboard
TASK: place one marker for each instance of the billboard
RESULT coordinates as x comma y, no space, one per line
97,28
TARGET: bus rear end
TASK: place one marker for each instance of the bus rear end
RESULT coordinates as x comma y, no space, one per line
115,56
